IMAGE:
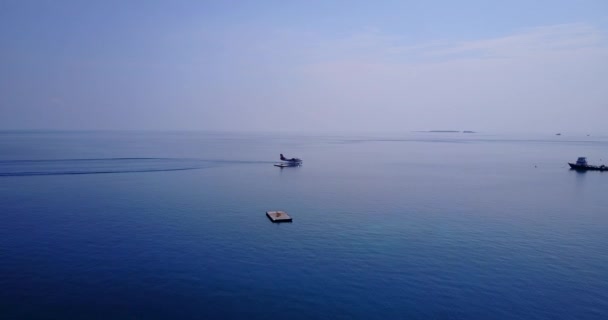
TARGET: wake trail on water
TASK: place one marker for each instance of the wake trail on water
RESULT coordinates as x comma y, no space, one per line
49,167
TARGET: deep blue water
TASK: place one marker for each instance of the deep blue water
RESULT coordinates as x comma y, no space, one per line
134,225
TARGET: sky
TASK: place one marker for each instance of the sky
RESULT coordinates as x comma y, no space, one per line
364,66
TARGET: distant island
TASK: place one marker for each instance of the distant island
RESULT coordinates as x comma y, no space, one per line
448,131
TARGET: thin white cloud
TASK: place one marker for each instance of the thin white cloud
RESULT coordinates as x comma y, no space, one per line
539,40
373,46
533,78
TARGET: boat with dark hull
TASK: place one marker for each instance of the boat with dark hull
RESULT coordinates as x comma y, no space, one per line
582,165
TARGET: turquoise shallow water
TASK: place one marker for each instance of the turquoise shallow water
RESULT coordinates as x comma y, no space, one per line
414,225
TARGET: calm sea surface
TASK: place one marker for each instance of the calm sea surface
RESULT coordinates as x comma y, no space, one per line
133,225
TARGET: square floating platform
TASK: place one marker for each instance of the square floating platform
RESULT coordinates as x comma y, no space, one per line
278,216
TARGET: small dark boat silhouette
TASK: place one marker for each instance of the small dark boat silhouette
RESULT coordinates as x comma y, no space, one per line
582,165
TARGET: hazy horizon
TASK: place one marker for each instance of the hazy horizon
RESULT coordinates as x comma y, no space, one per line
312,66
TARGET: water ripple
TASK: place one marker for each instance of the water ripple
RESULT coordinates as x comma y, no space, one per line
47,167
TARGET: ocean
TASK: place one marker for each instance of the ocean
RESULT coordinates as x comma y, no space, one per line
412,225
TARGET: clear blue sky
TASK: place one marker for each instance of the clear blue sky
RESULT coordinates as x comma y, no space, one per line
305,66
